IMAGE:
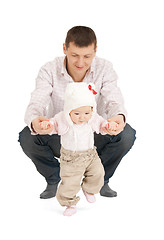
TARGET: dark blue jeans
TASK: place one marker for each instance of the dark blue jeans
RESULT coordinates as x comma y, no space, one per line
43,150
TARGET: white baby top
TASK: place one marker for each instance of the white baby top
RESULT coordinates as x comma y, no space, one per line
79,137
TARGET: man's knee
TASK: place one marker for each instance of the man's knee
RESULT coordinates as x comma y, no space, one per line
25,138
128,137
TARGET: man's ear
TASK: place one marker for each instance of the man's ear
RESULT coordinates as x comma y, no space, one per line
96,50
64,48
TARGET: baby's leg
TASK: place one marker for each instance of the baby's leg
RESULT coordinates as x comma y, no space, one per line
70,185
69,211
68,188
94,178
90,197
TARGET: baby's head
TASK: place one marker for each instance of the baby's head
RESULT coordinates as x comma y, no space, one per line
81,115
79,102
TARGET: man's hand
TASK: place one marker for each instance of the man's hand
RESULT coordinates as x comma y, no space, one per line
36,126
119,119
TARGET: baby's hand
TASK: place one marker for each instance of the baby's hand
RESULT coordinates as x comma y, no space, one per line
45,125
112,126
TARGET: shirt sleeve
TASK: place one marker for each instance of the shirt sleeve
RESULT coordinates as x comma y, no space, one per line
60,124
114,102
41,96
97,123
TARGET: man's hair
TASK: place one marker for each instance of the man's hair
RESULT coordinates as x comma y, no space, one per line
81,36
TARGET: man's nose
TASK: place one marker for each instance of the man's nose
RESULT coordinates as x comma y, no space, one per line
80,62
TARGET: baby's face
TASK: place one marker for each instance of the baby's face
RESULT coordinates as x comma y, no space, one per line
81,115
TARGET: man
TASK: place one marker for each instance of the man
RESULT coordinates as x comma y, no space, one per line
79,64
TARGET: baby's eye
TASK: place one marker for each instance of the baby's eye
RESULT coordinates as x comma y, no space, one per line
76,113
87,113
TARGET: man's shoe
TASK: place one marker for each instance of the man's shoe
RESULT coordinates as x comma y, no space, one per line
106,191
49,192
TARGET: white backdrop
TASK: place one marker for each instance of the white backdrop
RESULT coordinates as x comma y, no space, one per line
130,35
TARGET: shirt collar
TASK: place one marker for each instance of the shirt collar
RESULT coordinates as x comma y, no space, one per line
92,68
63,69
93,65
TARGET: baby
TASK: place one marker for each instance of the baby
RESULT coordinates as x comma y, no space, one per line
80,165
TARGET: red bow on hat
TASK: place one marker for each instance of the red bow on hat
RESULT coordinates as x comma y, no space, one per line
91,89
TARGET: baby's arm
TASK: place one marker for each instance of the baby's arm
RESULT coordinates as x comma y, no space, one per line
45,124
100,125
48,124
111,126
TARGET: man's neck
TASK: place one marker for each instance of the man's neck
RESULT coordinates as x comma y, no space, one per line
76,77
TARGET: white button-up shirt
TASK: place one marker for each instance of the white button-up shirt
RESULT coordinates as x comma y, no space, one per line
48,97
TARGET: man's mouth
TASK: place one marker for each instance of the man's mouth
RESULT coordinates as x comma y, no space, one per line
79,67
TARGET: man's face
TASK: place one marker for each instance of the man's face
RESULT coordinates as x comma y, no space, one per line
79,59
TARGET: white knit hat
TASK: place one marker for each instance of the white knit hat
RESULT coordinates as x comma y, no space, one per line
78,95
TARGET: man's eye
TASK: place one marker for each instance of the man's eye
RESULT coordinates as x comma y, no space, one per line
87,113
76,113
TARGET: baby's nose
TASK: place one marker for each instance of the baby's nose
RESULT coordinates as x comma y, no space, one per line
81,117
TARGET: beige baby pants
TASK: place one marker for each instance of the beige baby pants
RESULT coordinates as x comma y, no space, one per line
73,167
